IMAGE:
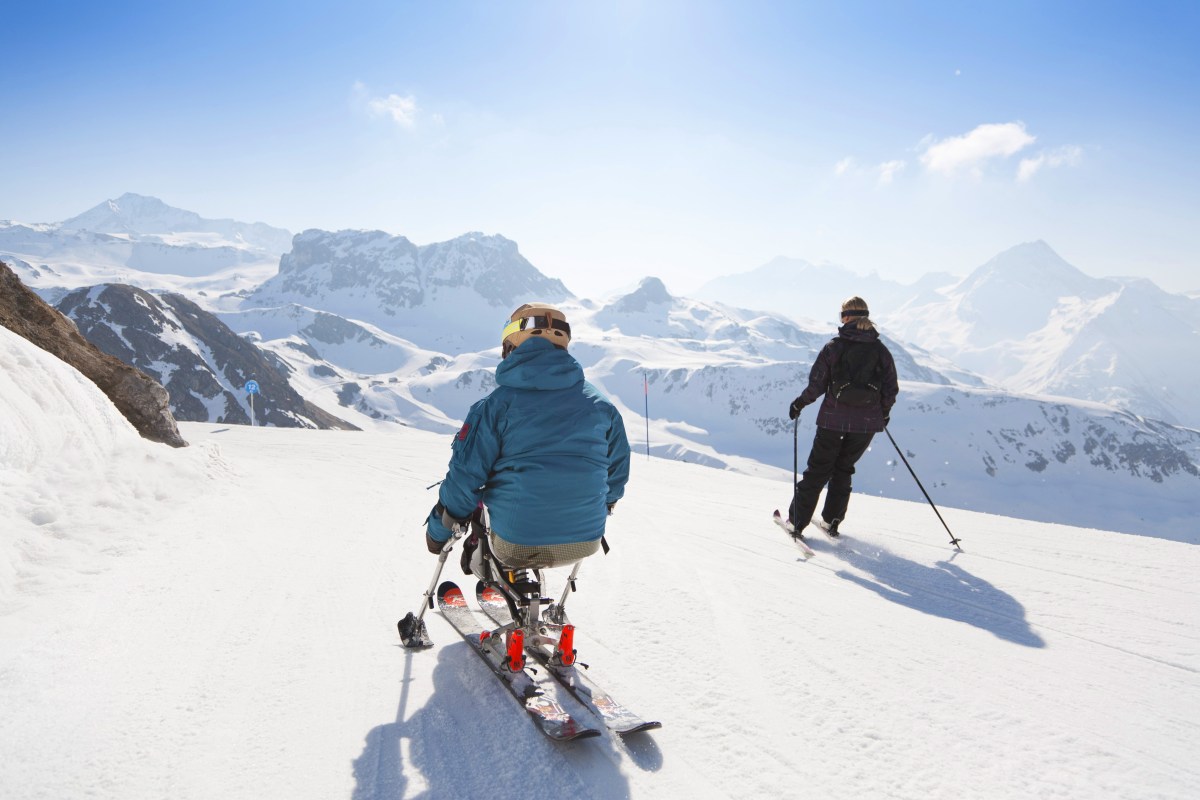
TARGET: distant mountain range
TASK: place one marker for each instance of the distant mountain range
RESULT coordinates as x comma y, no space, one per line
144,242
805,291
372,329
1032,323
1026,321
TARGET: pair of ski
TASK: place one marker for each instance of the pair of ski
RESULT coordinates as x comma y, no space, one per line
550,717
798,537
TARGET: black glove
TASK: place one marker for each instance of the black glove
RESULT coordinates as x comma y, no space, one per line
439,514
794,408
886,420
611,506
450,522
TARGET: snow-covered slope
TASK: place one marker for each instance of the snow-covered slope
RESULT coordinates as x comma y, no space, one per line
1032,323
76,480
717,382
220,622
358,372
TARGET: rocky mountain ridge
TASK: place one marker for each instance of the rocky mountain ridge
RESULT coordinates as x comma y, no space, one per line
450,295
203,365
140,399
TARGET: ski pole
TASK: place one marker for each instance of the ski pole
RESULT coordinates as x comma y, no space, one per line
646,386
795,470
413,633
953,540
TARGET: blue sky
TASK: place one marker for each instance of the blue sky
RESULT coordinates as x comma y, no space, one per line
623,139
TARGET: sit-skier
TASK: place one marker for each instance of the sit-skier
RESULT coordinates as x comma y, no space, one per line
545,453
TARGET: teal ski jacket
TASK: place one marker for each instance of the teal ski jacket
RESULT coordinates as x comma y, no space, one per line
545,452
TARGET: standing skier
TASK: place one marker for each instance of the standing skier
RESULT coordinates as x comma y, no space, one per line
856,373
545,452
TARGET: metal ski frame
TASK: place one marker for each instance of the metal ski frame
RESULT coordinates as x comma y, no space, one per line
528,617
556,613
413,632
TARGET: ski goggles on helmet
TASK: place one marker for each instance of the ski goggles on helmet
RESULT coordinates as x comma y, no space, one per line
535,323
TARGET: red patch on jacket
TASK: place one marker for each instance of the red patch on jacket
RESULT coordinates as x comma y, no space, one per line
462,434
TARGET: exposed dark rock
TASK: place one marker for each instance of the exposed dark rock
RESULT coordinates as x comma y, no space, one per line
141,400
202,363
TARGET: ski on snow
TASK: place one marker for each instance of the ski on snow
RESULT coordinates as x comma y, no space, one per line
828,530
550,717
796,536
617,718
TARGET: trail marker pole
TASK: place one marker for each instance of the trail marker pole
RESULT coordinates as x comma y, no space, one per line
646,391
251,390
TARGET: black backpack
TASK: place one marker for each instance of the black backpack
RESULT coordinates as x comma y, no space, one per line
857,375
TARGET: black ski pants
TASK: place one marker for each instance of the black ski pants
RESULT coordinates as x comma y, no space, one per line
831,461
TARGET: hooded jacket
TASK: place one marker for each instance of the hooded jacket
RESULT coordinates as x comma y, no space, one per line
546,452
839,416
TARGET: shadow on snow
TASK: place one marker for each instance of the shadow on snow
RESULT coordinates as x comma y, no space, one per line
944,590
471,739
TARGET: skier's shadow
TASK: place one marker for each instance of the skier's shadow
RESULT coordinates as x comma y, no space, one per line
944,590
454,749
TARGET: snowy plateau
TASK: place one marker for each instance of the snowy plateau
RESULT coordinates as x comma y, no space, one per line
219,620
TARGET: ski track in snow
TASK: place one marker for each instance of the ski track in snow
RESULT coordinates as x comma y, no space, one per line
246,647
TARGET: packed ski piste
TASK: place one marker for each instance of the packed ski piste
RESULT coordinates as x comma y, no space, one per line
539,465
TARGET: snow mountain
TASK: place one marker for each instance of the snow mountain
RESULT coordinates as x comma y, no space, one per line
1030,322
451,296
145,218
142,241
807,291
716,382
723,404
356,371
202,363
376,330
651,312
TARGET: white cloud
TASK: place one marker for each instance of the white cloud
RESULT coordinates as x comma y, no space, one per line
400,109
1068,156
972,150
888,170
885,172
